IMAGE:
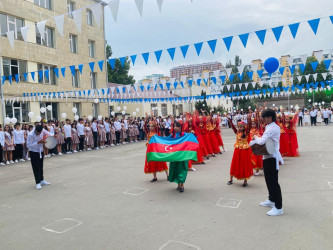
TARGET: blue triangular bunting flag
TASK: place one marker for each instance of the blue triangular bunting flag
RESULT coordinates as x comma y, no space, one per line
32,75
231,77
80,68
314,65
46,73
244,38
190,82
228,41
40,75
261,35
10,79
63,70
214,79
168,85
240,76
293,29
222,79
145,57
92,66
198,47
3,80
331,17
260,73
122,61
100,64
281,69
314,23
199,81
184,49
112,62
171,52
212,45
292,69
327,63
250,74
277,32
158,54
56,72
17,78
175,84
301,67
25,75
72,68
133,58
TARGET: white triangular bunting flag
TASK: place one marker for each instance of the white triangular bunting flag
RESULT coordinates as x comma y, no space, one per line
299,78
159,3
183,79
234,86
291,80
246,84
10,36
254,84
318,55
304,58
228,87
228,70
216,73
324,75
195,77
307,78
114,6
240,69
284,81
128,87
24,32
112,90
254,67
77,16
41,29
97,12
206,75
290,60
315,76
59,21
139,5
172,80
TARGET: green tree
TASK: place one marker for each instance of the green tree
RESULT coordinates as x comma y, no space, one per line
119,74
202,105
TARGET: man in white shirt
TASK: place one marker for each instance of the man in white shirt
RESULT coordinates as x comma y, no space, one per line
68,136
50,124
313,116
117,126
167,126
18,139
80,133
35,142
271,163
300,118
325,114
95,132
107,129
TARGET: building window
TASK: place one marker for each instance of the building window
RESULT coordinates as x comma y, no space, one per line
77,105
73,43
18,110
10,23
49,115
93,80
13,67
164,109
153,105
91,48
180,108
48,37
47,4
70,8
95,109
76,79
89,18
51,78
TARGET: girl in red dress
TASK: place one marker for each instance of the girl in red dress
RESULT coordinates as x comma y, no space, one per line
290,125
201,131
283,136
256,159
241,164
217,131
153,167
212,137
190,128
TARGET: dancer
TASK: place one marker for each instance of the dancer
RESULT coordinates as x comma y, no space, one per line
283,135
241,164
271,163
256,159
153,167
290,128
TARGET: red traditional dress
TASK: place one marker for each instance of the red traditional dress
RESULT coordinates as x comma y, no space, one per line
200,130
212,137
241,164
292,136
256,159
284,137
262,126
217,132
153,166
190,128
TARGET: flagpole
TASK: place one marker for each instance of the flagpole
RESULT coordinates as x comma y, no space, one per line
1,89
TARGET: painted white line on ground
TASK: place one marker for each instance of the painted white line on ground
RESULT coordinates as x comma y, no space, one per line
74,184
135,191
230,203
62,225
174,244
4,207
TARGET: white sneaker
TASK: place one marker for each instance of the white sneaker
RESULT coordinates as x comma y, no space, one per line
22,160
11,162
112,145
28,159
275,212
74,151
7,162
44,183
16,161
88,149
267,203
256,174
38,186
97,148
2,164
191,169
53,154
80,150
49,155
124,142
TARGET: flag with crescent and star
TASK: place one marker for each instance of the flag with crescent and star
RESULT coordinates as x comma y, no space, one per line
167,149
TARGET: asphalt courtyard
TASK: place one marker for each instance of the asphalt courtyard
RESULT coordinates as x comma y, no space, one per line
103,200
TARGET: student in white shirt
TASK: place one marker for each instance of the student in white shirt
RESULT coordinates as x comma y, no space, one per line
95,132
313,115
107,129
35,144
2,143
80,133
68,136
271,163
18,138
117,126
325,114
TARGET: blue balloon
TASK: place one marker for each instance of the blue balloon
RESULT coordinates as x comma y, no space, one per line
271,65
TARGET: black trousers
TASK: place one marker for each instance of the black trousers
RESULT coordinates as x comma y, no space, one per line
68,142
167,132
1,153
272,182
326,121
95,134
81,145
300,121
108,138
117,137
37,166
314,120
18,153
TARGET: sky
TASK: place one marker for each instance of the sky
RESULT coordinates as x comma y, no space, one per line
184,22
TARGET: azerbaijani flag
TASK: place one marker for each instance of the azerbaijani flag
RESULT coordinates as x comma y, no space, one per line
167,149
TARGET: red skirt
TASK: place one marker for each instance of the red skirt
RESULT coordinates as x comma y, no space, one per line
207,144
214,142
199,156
202,147
155,166
241,164
284,144
218,137
257,162
292,145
